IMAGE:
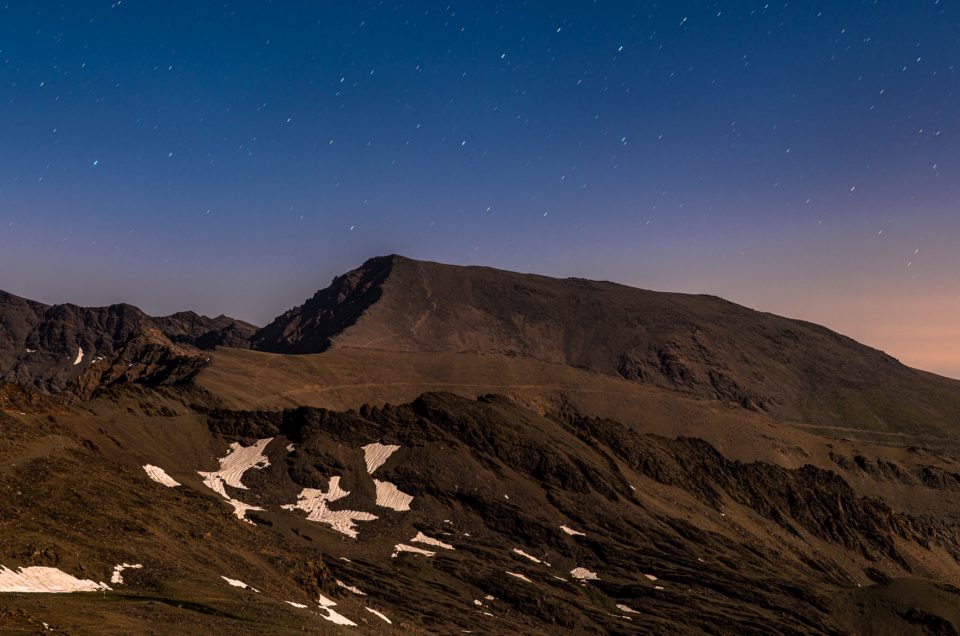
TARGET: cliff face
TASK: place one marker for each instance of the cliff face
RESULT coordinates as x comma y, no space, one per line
696,344
66,348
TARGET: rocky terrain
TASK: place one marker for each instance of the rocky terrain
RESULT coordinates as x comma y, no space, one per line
428,449
76,350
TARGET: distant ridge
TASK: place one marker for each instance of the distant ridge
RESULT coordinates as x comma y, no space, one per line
698,344
66,348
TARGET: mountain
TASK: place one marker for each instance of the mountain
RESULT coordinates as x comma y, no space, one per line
701,345
66,348
435,449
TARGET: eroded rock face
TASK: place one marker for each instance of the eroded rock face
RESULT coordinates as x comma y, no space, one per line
75,350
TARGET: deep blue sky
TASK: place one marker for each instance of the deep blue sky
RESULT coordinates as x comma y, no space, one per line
234,156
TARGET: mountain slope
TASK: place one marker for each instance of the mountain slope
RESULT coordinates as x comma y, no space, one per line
58,348
697,344
513,523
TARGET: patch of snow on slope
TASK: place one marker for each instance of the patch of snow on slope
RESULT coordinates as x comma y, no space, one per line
377,454
79,357
239,460
628,610
584,574
45,580
299,605
160,476
117,576
332,615
572,532
389,496
529,556
350,588
240,584
422,538
403,547
651,577
379,615
314,502
519,576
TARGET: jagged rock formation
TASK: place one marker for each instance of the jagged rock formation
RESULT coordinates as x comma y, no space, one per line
697,344
66,348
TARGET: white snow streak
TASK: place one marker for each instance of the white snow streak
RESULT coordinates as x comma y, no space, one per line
45,580
240,584
379,615
572,532
332,615
389,496
117,576
628,610
350,588
403,547
584,574
422,538
239,460
314,502
160,476
519,576
79,357
529,556
299,605
377,454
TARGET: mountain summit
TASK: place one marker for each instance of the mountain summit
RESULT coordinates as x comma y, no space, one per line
698,344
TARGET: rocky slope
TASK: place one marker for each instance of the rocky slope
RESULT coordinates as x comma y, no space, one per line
697,344
445,515
66,348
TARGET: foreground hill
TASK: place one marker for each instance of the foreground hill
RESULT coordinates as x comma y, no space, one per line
439,516
66,348
696,344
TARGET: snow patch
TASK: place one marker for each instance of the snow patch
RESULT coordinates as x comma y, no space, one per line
160,476
389,496
239,459
422,538
291,448
379,615
29,350
403,547
651,577
584,574
117,577
628,610
79,357
332,615
529,556
45,581
519,576
240,584
572,532
350,588
377,454
299,605
314,502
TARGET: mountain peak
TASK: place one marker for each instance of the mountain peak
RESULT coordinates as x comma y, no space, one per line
701,345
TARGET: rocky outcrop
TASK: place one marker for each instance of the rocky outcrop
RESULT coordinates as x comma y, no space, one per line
71,349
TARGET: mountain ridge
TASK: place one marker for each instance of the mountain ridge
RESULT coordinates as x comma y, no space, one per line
699,344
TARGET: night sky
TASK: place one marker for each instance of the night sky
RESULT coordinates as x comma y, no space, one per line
232,157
